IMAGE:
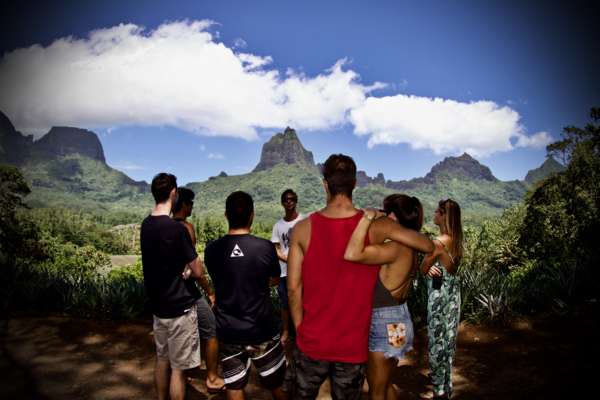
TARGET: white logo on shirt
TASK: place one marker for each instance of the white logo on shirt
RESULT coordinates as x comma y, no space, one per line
237,252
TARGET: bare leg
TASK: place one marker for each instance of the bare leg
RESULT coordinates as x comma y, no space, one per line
161,378
235,394
213,380
279,394
392,393
379,370
177,387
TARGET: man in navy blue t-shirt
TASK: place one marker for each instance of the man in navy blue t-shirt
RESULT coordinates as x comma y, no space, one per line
166,252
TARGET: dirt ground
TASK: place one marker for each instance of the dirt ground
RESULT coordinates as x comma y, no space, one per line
548,356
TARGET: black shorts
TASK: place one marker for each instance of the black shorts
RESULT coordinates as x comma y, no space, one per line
268,359
305,376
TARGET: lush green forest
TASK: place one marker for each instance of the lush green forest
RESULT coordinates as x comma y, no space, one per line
536,255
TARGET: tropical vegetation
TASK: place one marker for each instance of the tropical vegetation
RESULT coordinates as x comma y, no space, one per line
538,254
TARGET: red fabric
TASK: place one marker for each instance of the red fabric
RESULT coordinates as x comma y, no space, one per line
337,295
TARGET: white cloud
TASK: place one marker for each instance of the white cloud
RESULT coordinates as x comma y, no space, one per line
538,140
239,43
215,156
444,126
180,75
176,75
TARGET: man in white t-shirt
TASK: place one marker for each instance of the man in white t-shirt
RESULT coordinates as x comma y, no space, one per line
281,237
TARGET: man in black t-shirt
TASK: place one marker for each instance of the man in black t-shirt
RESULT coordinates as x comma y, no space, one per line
241,267
166,251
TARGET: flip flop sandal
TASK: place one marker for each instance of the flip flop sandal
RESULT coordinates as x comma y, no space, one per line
216,390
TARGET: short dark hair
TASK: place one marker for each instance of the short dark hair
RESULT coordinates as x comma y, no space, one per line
238,209
184,195
340,173
286,192
161,187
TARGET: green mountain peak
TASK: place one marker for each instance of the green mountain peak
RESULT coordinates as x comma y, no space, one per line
549,167
284,148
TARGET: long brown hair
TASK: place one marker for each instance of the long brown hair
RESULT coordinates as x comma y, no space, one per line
451,225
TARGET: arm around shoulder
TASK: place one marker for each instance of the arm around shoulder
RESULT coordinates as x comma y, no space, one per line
407,237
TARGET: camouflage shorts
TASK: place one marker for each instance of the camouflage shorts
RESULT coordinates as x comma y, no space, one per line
305,376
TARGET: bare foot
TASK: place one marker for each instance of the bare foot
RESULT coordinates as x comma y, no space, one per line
214,385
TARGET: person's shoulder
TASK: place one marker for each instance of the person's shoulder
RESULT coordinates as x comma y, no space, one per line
213,244
301,228
178,227
382,223
445,239
160,222
258,241
302,224
146,222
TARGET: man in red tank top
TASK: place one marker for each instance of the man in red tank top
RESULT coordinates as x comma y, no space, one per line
330,298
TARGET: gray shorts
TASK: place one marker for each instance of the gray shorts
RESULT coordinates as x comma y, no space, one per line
207,325
177,340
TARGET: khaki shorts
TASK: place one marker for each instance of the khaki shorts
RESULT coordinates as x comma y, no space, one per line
177,340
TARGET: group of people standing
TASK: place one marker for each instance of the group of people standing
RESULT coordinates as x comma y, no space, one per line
342,274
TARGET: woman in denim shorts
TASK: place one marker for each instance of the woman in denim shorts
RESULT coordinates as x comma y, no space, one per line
391,334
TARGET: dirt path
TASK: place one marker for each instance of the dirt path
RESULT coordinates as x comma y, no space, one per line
62,358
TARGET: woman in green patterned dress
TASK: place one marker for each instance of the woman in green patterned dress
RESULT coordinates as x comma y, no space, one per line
443,289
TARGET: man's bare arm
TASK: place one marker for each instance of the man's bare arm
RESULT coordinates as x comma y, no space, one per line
194,268
280,254
294,277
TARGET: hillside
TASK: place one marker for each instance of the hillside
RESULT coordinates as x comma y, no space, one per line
67,168
78,181
549,167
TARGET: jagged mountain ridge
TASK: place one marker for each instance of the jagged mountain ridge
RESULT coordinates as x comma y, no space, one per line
283,165
76,173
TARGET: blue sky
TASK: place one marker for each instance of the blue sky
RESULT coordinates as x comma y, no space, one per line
197,87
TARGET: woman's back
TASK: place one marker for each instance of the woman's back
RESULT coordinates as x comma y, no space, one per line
398,275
